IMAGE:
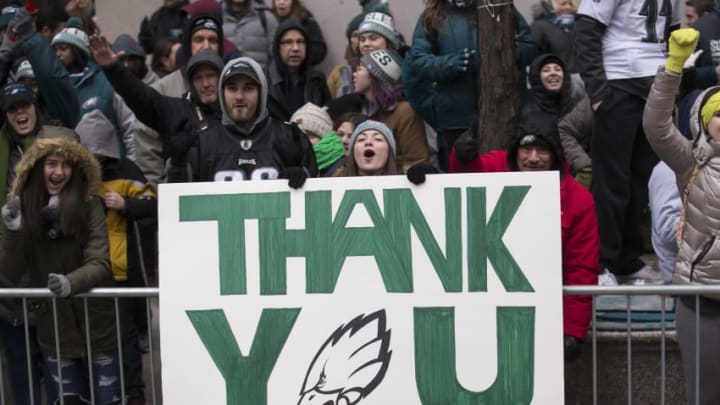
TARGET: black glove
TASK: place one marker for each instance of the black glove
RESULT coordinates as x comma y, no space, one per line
296,176
177,144
572,348
416,173
467,145
11,214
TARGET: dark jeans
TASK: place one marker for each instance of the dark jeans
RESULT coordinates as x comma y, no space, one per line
622,162
13,338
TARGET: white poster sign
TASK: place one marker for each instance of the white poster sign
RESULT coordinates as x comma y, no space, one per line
364,290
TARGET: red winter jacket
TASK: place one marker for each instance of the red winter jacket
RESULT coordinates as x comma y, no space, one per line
580,240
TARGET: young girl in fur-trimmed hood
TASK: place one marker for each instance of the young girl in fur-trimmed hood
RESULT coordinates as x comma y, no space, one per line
55,230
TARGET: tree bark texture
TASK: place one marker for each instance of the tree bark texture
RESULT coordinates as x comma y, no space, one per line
497,75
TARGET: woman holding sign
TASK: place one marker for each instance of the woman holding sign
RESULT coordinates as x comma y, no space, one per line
371,151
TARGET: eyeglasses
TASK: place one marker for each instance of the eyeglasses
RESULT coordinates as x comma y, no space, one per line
290,42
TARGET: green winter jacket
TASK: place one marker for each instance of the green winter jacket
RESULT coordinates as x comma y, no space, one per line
446,99
85,264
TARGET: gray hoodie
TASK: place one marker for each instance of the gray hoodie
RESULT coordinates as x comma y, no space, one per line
248,67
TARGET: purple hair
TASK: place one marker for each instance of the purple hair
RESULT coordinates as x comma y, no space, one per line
385,95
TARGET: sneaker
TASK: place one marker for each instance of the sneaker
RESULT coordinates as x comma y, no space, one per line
645,276
606,278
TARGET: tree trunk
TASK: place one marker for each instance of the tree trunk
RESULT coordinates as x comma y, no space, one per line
498,97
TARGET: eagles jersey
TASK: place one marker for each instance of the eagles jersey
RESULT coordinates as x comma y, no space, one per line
225,155
634,42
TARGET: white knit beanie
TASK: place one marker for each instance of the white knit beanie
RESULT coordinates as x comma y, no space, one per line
73,34
382,24
24,71
313,119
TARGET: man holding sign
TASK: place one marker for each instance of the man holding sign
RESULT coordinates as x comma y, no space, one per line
537,146
249,144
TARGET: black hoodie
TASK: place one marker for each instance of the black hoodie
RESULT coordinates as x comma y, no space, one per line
287,93
555,102
544,127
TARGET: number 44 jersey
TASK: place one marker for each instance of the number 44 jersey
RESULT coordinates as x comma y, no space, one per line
634,42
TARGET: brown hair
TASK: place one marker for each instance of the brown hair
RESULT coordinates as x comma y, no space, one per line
298,12
436,12
350,169
73,214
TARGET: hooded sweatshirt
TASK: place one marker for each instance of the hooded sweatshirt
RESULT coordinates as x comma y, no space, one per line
288,92
176,119
260,150
176,84
571,105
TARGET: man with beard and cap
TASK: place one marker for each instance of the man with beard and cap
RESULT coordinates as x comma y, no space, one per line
536,147
557,92
293,82
166,22
250,25
178,120
250,145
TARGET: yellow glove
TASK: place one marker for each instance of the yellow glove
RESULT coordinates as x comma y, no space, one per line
584,176
681,46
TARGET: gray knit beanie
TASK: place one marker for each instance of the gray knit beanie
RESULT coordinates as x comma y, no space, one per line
380,23
73,34
384,65
377,126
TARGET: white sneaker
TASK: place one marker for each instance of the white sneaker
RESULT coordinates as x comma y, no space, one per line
606,278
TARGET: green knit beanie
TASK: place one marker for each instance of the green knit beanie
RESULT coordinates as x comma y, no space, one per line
328,150
354,25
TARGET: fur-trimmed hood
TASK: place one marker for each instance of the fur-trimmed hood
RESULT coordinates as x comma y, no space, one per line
72,151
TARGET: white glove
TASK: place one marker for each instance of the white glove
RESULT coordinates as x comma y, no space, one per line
59,284
11,214
690,62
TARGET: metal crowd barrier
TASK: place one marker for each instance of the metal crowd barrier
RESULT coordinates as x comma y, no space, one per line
644,290
116,294
119,293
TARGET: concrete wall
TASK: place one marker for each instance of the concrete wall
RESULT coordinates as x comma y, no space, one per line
116,17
